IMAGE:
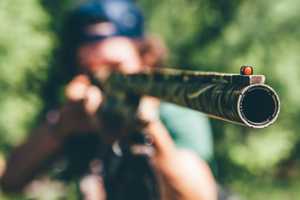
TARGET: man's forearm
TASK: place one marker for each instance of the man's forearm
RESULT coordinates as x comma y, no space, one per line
30,157
186,177
183,176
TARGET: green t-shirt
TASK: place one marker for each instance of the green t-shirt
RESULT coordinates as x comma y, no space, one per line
189,129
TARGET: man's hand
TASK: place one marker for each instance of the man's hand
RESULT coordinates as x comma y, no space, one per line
78,113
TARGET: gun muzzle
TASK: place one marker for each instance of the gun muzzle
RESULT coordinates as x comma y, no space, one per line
258,105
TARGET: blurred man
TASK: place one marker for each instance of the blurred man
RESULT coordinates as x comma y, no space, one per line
105,36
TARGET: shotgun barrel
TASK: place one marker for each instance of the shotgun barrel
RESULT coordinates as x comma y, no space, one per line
242,99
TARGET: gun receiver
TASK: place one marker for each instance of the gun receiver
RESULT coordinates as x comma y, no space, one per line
242,99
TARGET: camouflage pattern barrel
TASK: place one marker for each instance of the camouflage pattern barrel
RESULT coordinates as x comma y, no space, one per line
242,99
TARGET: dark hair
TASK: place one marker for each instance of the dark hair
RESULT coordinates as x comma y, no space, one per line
63,66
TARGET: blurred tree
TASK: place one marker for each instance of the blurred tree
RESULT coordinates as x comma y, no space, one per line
25,42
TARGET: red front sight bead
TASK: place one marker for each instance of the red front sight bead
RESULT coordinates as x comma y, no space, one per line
246,70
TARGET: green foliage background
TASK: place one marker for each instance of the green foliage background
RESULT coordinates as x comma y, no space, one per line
218,35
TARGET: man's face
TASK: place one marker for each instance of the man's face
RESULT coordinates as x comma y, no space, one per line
115,53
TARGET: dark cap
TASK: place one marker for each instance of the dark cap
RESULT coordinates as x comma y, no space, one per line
123,16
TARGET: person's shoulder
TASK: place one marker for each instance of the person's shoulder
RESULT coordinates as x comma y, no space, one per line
181,120
172,110
189,129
